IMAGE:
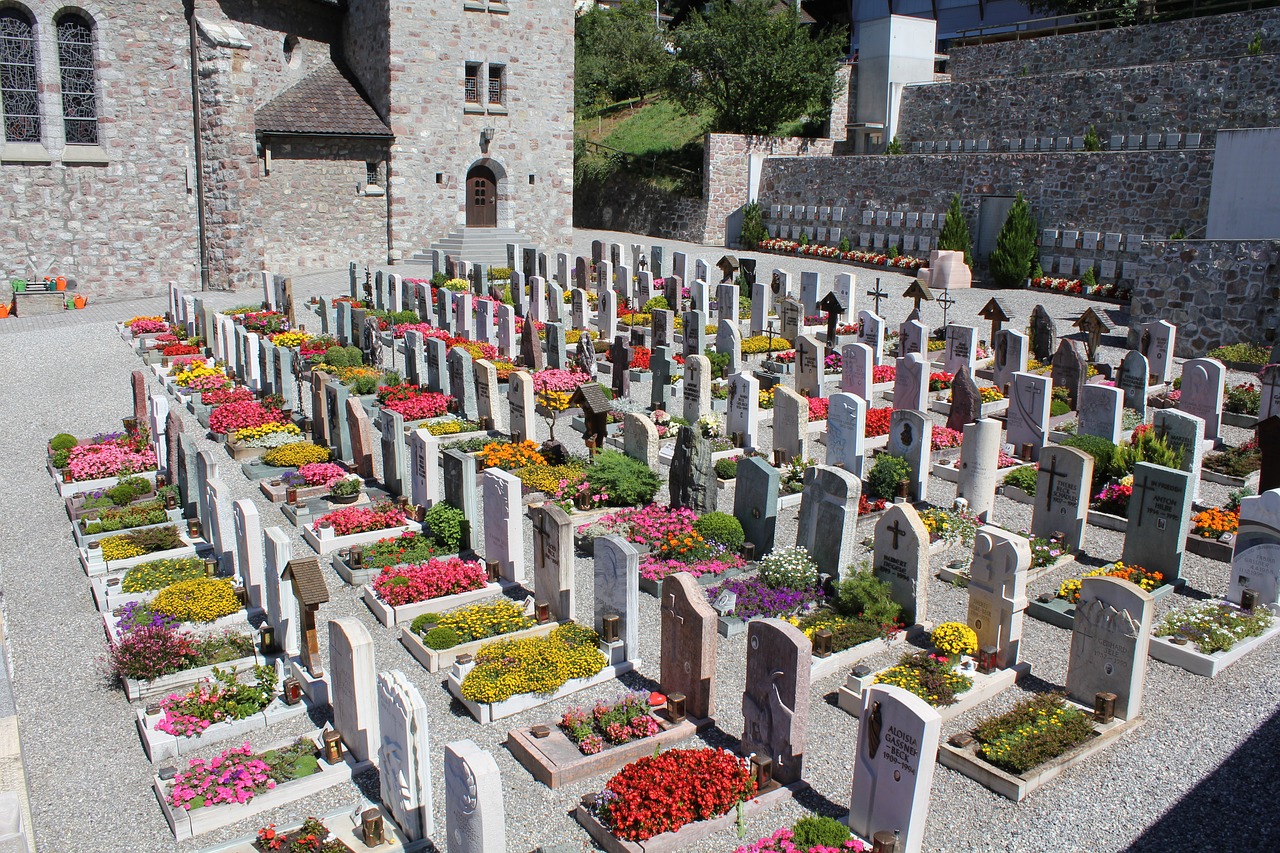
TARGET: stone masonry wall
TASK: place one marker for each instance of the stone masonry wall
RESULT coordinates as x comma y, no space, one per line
314,181
727,172
265,25
126,227
1211,37
1185,97
435,136
1215,292
1149,192
366,48
625,204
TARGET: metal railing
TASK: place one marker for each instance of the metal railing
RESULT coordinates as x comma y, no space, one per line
1149,12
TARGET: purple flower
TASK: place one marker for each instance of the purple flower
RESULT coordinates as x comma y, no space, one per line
757,599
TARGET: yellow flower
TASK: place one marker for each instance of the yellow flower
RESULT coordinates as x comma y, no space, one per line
296,454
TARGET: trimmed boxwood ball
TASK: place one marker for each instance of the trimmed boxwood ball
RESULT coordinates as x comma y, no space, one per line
819,832
445,523
62,441
727,469
722,528
885,475
440,638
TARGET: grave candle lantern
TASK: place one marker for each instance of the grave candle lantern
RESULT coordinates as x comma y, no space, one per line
542,611
987,659
762,770
904,488
491,570
675,707
610,626
356,558
332,747
884,841
748,551
822,643
1248,599
170,502
291,495
267,639
371,830
292,691
210,567
540,731
1104,707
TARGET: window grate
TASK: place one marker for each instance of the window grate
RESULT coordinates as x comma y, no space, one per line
471,88
497,88
75,63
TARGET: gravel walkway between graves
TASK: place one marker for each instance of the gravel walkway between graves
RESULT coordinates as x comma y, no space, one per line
1197,774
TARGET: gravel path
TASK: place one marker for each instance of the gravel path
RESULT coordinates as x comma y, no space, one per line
1167,783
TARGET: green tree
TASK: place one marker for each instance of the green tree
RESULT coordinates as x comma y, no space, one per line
1015,250
619,54
754,66
753,230
955,231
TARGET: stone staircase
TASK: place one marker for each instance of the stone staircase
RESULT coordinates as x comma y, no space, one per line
476,246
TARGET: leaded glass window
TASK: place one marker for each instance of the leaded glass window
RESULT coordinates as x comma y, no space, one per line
19,97
75,64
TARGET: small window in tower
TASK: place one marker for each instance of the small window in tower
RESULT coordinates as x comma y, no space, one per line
471,87
497,84
373,173
439,177
292,51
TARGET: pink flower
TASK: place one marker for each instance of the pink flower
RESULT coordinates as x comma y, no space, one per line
360,519
410,584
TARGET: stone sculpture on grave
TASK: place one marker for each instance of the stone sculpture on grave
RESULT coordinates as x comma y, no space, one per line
980,466
1255,559
998,592
775,704
966,400
553,560
1061,506
475,819
897,748
1109,644
1044,335
901,558
689,641
829,518
693,479
353,689
404,755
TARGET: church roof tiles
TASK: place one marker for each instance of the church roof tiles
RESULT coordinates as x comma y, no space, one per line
324,103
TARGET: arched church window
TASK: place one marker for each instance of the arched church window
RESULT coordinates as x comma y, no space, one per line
19,94
76,67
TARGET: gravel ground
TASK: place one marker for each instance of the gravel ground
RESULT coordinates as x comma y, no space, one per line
1163,785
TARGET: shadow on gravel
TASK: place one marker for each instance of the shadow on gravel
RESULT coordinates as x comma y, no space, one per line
1231,809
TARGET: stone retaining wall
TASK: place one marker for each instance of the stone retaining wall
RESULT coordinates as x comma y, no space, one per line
626,204
1216,292
1199,38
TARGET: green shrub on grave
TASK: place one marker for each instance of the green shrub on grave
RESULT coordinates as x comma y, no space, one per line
726,469
445,523
886,473
813,831
626,481
63,441
440,638
722,528
1023,478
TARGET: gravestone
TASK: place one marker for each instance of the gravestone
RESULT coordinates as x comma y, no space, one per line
206,472
1010,357
729,342
1132,380
962,347
585,357
462,383
475,819
844,291
755,501
901,558
1255,559
218,530
138,383
1156,342
438,380
404,755
353,688
282,604
503,524
553,560
361,438
620,372
1109,644
693,333
506,331
537,300
697,387
856,375
760,308
1069,371
966,400
661,388
463,322
912,335
790,424
911,383
395,463
158,421
727,303
1183,432
1101,408
689,643
775,704
640,438
911,437
530,348
1044,335
424,468
557,351
809,366
1159,520
998,591
460,492
520,402
578,308
607,314
415,358
663,328
980,466
700,296
1061,505
487,408
1270,403
791,318
1269,444
1027,418
693,477
174,465
1203,384
897,748
829,518
872,333
742,416
617,593
846,433
248,529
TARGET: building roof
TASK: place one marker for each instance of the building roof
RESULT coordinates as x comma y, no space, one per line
308,581
326,102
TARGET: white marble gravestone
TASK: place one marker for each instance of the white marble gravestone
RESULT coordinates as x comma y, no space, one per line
617,593
1255,561
353,688
1109,644
998,591
475,820
249,564
503,523
404,755
980,466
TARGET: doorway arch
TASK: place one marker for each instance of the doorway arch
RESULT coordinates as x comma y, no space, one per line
482,197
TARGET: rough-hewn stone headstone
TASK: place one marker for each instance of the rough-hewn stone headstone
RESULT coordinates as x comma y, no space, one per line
689,641
966,400
1044,335
693,476
775,705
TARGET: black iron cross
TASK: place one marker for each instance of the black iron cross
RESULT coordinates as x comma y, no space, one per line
831,305
897,531
1141,490
1054,474
877,294
946,302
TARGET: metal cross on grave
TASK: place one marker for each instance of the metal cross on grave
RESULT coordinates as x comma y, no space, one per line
946,302
897,532
879,294
832,306
1054,474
